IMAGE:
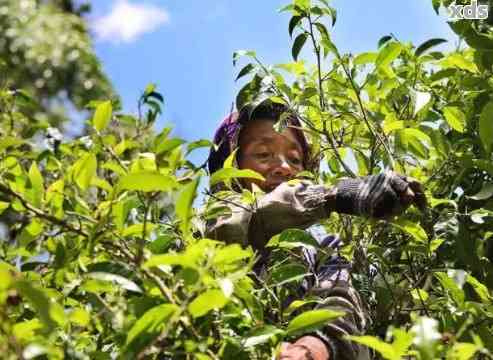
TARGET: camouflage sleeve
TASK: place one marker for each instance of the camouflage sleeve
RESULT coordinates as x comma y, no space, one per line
291,205
338,294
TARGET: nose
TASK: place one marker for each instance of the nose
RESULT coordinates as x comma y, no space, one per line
282,167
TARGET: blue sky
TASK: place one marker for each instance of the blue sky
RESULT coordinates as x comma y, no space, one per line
186,46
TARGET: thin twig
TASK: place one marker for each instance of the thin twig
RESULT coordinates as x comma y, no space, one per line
40,213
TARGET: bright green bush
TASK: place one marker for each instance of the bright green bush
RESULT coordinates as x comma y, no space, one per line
102,255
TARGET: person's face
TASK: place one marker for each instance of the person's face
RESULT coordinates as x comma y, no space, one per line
278,157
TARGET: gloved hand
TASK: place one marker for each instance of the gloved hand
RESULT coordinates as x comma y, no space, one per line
379,196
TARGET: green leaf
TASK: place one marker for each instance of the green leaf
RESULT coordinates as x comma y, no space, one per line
436,5
419,294
115,279
249,92
161,244
171,259
388,54
455,118
101,183
84,170
486,127
292,24
37,185
322,30
168,145
80,317
102,115
261,336
31,232
240,53
479,288
365,58
288,273
146,181
9,141
412,140
229,162
386,350
292,238
26,330
302,4
413,229
485,193
148,327
230,254
47,310
247,69
297,304
427,45
449,285
458,61
199,144
312,320
298,45
463,351
184,204
206,302
151,87
3,206
383,40
226,174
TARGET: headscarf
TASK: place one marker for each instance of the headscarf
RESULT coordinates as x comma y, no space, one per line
226,137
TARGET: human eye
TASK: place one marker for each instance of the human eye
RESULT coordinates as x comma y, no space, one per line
262,155
295,159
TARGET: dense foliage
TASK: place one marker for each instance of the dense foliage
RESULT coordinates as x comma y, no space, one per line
46,51
104,257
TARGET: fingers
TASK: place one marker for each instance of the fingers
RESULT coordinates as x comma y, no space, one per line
419,197
399,183
283,351
284,347
407,197
409,190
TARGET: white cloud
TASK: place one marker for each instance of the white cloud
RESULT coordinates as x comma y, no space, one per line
127,21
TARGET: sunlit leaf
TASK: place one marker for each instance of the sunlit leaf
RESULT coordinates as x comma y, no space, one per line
84,170
384,349
102,115
148,327
206,302
146,181
184,204
168,145
486,127
413,229
455,118
227,174
116,279
388,54
261,336
312,320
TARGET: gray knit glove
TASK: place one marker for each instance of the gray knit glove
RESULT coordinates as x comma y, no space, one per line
379,195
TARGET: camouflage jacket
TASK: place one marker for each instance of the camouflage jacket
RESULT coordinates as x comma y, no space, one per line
301,205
